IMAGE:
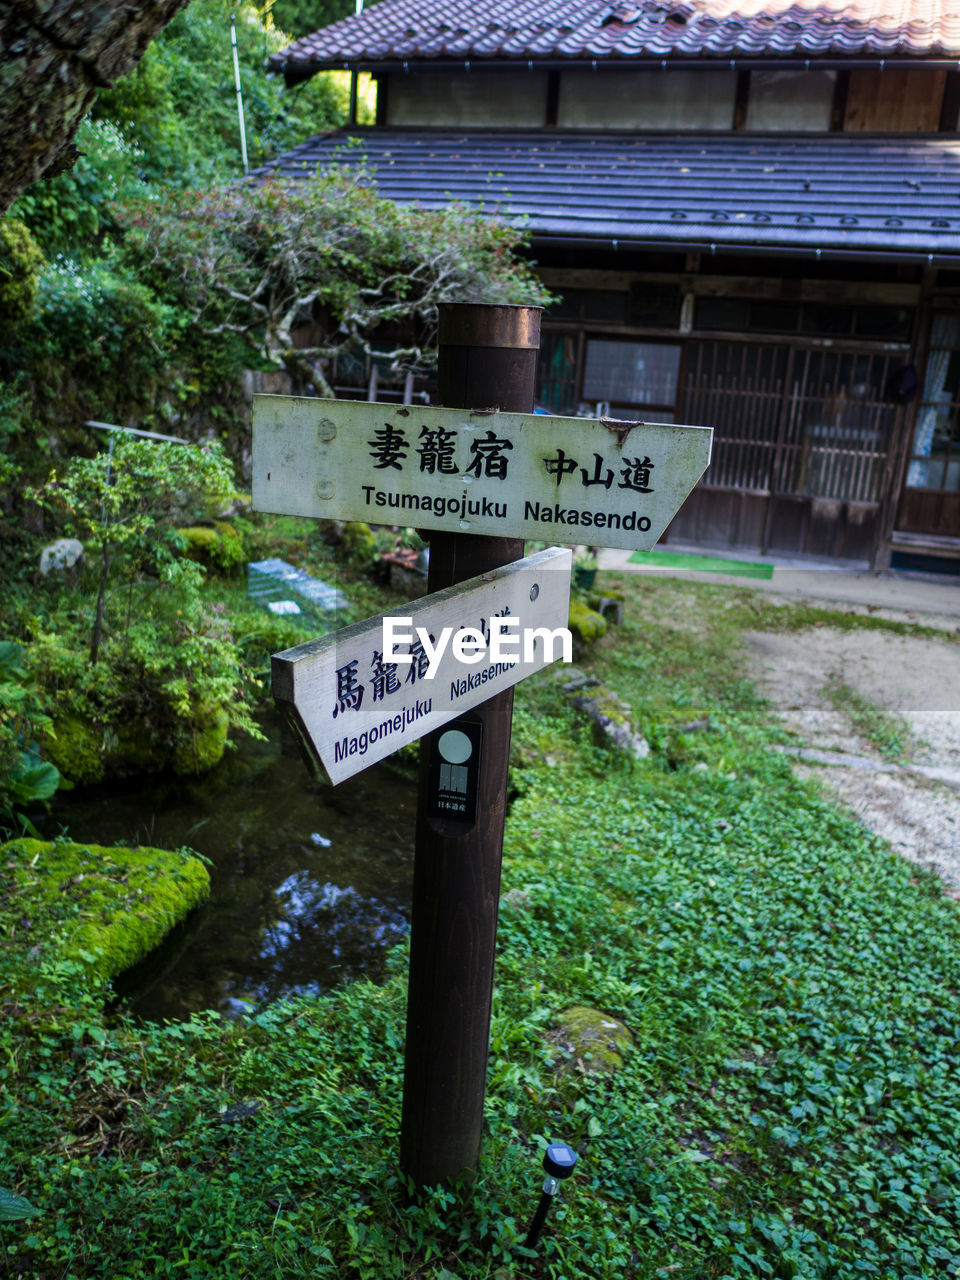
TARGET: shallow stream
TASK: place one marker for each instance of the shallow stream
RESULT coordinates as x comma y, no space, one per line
310,884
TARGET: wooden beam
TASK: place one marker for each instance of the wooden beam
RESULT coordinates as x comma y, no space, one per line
761,287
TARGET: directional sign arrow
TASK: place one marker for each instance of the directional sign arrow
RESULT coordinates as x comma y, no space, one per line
519,475
350,708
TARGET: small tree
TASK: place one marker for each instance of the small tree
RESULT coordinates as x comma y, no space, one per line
261,260
145,674
124,503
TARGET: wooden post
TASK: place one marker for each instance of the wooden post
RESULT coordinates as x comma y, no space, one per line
487,359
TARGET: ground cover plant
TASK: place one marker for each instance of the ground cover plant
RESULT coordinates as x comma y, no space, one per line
788,1106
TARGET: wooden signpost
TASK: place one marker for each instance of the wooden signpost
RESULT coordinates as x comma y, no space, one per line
484,473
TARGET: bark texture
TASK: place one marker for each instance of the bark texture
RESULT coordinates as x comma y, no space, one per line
54,56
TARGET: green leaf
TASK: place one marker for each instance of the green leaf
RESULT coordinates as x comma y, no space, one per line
11,659
13,1207
38,782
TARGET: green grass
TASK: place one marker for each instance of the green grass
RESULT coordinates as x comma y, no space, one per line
790,1106
701,564
889,734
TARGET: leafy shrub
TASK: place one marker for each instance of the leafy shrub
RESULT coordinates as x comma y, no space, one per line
72,212
180,104
20,263
256,261
24,777
167,688
97,346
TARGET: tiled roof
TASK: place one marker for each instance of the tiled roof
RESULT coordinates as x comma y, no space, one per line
521,30
836,193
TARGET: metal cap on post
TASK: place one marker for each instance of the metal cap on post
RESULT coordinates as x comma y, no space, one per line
487,361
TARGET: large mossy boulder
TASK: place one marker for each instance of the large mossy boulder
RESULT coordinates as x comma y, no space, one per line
87,753
105,907
205,743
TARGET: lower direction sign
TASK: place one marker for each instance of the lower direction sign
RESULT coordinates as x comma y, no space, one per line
358,695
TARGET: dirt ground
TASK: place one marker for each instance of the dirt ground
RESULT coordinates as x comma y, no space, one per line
912,800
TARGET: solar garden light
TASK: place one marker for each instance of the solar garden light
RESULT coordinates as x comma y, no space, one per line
558,1163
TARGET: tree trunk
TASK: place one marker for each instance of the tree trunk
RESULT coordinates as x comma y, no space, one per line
54,56
97,638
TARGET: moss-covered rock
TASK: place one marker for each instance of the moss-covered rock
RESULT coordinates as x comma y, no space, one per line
591,1041
358,543
106,908
202,746
217,546
611,720
201,539
77,750
86,753
586,625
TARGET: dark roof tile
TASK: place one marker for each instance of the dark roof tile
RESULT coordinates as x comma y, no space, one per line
778,193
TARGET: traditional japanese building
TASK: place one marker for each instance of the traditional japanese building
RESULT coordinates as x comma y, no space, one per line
751,211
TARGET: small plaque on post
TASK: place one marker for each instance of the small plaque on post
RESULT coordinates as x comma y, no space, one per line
455,771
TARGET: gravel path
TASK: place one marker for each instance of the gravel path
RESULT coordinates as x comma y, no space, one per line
914,802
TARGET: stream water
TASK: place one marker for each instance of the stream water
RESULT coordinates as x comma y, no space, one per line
310,884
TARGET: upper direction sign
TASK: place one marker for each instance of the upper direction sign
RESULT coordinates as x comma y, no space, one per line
350,708
517,475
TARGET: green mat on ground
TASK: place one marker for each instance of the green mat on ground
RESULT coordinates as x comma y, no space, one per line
702,564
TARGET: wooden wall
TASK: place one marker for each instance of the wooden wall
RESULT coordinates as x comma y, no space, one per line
892,101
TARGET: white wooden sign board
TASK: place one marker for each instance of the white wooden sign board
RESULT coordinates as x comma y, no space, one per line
351,710
519,475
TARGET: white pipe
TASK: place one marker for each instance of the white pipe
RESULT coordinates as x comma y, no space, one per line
134,431
236,76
